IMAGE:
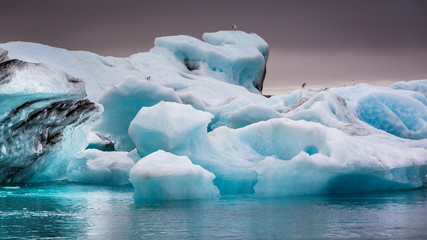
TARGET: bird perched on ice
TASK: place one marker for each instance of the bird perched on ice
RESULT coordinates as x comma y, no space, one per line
303,85
234,27
352,83
149,78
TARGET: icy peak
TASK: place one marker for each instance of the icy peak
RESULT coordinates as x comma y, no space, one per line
231,56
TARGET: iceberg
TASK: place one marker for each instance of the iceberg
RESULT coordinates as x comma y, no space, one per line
122,103
234,57
416,86
171,127
43,109
187,120
402,113
98,167
164,176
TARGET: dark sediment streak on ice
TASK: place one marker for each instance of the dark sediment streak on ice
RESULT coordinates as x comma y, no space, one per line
35,125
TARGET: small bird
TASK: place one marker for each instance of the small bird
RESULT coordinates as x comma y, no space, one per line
149,78
234,27
352,83
304,85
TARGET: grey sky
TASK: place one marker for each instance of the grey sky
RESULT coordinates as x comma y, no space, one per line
321,42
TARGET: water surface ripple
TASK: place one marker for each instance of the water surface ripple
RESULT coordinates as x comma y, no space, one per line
99,212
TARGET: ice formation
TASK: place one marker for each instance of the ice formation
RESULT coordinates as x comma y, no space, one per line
399,112
99,167
234,57
164,176
417,86
42,110
186,120
3,55
123,102
171,127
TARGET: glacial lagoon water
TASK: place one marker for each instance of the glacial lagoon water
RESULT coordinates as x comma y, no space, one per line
73,211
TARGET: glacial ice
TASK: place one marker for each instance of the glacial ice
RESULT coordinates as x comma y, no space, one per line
399,112
42,109
171,127
123,102
3,55
235,57
252,113
186,120
164,176
17,78
416,86
98,167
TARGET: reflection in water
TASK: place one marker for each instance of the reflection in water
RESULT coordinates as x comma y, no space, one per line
82,211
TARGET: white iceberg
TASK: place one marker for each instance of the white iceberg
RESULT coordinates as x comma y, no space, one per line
416,86
164,176
235,57
171,127
189,113
122,103
97,167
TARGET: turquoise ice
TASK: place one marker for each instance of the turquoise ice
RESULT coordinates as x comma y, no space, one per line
186,120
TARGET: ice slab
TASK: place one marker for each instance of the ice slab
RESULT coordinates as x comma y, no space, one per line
98,167
399,112
231,56
123,102
42,110
168,126
164,176
416,86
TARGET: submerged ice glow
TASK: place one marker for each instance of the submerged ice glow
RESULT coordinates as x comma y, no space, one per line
186,120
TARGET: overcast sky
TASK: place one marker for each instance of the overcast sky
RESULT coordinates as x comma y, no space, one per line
320,42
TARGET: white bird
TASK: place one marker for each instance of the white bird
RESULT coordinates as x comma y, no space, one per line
352,83
148,78
234,27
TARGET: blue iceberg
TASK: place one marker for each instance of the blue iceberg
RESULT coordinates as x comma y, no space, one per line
187,120
43,109
165,176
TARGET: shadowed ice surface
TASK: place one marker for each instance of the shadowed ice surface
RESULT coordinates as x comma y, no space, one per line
99,212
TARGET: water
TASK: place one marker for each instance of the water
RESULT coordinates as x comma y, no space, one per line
97,212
